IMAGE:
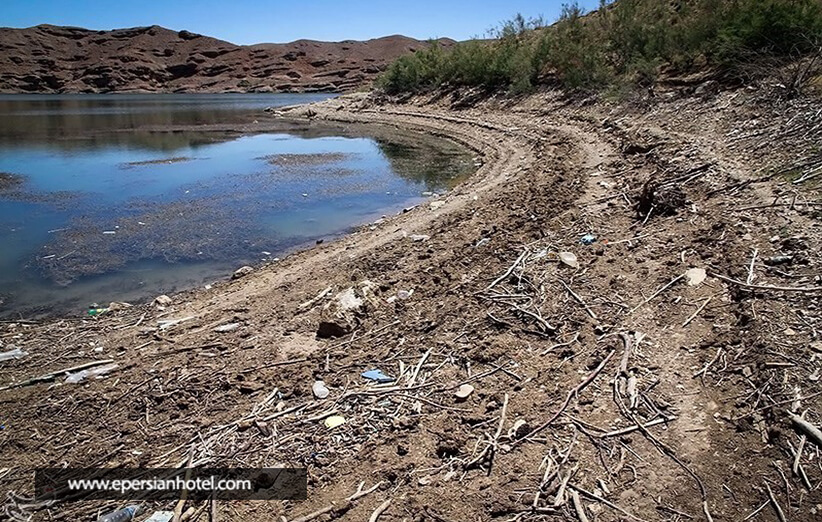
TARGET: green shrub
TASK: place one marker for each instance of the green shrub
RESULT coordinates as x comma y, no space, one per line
625,41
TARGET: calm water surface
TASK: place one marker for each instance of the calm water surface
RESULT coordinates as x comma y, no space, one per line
124,197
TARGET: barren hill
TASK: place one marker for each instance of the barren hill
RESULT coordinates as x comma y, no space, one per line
46,59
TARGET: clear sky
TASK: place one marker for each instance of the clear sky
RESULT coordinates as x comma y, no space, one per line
259,21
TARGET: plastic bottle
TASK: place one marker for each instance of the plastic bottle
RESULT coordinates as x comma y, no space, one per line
121,515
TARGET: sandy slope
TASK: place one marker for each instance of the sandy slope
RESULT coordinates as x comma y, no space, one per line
523,328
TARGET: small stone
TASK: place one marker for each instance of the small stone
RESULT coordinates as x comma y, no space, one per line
419,237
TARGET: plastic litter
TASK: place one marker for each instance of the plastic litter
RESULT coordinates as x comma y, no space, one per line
695,276
588,239
230,327
405,294
569,258
334,421
121,515
95,309
778,260
14,353
82,375
162,300
464,391
160,516
168,323
378,376
482,242
319,389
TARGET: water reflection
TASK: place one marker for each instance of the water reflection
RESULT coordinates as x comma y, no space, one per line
103,211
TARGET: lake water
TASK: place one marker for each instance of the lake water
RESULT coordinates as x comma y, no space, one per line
123,197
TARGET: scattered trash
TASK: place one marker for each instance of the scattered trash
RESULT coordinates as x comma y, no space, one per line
13,353
230,327
377,375
588,239
520,429
160,516
305,195
339,316
95,309
265,253
695,276
99,372
569,258
241,272
540,254
109,232
405,294
419,237
162,300
164,324
778,260
348,300
482,242
121,515
464,392
319,389
334,421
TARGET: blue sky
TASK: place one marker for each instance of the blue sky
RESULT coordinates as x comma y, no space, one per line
258,21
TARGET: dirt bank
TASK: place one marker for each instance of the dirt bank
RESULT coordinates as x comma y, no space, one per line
565,358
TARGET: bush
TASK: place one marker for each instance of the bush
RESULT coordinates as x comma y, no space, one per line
626,41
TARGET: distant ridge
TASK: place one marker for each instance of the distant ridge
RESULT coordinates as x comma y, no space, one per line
56,59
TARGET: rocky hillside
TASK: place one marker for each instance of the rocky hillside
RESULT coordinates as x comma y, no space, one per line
48,59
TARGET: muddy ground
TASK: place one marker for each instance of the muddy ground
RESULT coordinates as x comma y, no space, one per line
610,387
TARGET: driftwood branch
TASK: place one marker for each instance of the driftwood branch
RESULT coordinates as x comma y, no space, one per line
571,394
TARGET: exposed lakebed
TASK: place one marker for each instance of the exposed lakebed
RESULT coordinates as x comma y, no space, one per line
123,197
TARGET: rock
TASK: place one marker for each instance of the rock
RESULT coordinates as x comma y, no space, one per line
162,301
419,237
242,272
319,390
436,204
695,276
117,305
